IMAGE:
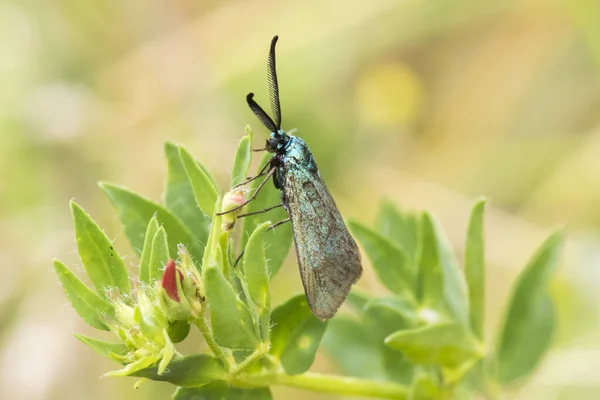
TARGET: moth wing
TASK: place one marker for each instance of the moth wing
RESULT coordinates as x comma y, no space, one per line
328,256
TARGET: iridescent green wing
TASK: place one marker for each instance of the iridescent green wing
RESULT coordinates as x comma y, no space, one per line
328,257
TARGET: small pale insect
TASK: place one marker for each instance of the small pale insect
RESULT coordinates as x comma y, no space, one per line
328,256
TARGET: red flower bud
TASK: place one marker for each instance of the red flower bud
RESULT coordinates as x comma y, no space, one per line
168,280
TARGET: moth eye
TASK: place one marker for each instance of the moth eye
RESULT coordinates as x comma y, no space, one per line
272,145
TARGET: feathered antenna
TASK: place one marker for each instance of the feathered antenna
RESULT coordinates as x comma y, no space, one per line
260,113
273,85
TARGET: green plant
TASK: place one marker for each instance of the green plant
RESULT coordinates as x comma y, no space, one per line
423,341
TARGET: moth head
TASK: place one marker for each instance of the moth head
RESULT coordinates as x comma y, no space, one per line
277,141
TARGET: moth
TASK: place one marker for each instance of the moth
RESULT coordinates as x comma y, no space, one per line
328,257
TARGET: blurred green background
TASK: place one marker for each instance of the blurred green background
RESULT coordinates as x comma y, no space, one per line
427,103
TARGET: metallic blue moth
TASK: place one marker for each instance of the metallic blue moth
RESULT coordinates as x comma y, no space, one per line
328,256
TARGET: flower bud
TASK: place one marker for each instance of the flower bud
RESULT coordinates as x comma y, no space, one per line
142,323
232,199
150,326
168,282
123,317
171,298
192,285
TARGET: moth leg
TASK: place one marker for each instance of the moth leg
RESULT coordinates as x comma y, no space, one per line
237,260
259,212
270,174
279,223
257,150
262,172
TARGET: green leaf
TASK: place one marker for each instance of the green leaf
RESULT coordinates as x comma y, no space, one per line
382,317
148,323
431,276
401,228
529,321
475,268
255,267
395,312
389,261
441,282
159,255
425,386
231,321
101,347
190,371
144,273
358,298
103,264
243,158
204,189
213,255
135,212
353,348
447,345
179,196
87,303
167,354
378,318
221,391
296,334
135,366
279,239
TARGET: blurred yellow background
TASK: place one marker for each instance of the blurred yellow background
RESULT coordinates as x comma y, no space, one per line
428,103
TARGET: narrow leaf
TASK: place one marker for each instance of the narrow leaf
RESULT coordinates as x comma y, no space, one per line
190,371
221,391
389,261
179,196
296,334
401,228
101,347
530,317
167,354
230,319
159,255
475,268
204,190
279,240
447,345
135,366
441,282
87,303
103,264
255,267
135,212
144,273
213,255
243,158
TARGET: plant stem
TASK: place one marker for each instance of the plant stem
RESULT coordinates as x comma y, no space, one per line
208,337
264,319
344,385
256,355
330,384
